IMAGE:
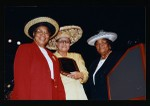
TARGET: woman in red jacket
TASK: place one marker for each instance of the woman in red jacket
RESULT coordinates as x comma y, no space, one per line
36,69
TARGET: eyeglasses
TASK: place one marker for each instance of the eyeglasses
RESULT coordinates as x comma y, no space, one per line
41,32
64,41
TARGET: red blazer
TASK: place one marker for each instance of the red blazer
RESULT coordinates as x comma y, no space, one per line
32,77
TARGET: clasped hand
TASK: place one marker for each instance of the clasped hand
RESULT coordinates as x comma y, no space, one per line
76,75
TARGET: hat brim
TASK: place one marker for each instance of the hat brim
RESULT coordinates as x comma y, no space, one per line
49,22
108,35
74,31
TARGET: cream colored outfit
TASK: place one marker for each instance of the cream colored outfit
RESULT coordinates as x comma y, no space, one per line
73,88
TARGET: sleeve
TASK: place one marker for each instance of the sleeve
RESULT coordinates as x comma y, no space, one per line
22,64
61,90
82,68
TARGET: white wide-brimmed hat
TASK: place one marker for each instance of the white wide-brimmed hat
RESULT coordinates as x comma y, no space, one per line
73,32
102,34
47,21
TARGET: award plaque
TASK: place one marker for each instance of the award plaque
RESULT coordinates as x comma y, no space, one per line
67,65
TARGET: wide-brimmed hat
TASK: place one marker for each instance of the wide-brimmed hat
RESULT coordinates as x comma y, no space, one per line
102,34
74,32
46,21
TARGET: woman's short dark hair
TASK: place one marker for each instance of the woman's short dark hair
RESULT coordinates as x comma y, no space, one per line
51,28
108,41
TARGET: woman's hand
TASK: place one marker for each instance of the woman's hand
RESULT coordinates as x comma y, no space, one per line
76,75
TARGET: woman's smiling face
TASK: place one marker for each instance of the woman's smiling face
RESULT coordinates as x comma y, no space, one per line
41,35
102,46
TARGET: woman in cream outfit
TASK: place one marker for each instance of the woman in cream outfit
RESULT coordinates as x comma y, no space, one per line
73,83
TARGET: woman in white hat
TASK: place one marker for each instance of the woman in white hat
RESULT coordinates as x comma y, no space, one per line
36,69
100,67
73,81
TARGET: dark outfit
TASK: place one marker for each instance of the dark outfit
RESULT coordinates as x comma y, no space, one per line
99,90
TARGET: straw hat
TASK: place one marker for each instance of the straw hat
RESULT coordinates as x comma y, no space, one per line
34,23
73,32
102,34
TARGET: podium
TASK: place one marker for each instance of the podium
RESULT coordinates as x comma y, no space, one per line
127,79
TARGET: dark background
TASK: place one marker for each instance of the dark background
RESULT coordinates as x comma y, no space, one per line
129,22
